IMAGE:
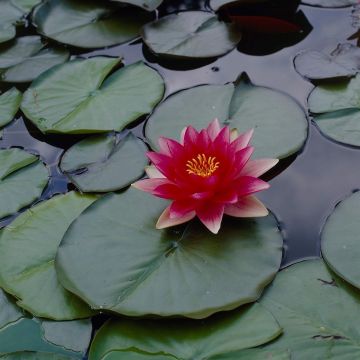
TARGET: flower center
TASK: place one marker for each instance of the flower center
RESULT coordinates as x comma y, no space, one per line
202,165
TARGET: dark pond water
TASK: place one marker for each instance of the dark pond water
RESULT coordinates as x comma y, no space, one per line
309,185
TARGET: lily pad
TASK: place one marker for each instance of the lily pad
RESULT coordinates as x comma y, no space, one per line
190,34
344,61
340,240
149,5
20,333
241,105
244,328
31,355
26,58
22,180
113,258
316,310
9,105
336,108
80,96
330,3
88,23
105,162
27,251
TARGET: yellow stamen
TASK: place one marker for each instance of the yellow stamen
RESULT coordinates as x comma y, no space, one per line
202,165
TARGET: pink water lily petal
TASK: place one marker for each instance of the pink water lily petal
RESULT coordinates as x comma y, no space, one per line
211,216
168,191
248,185
163,163
248,206
190,136
170,147
258,167
213,129
153,172
165,221
242,141
149,185
241,158
180,208
223,139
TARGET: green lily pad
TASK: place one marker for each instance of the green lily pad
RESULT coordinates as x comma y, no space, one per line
244,328
9,105
26,58
149,5
190,34
240,105
22,180
27,251
80,96
344,61
336,109
88,23
105,163
12,13
113,258
134,355
316,310
340,240
330,3
30,355
20,333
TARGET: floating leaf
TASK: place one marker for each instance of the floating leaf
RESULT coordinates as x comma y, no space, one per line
149,5
190,34
316,311
9,105
74,97
88,23
242,106
336,108
134,355
113,257
22,180
344,61
244,328
330,3
340,240
29,355
105,162
25,59
27,251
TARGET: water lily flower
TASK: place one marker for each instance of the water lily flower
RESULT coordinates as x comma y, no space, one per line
207,174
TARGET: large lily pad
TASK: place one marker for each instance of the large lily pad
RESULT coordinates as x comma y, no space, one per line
113,258
316,310
81,97
88,23
9,105
22,180
330,3
27,251
242,105
247,327
340,240
20,333
190,34
149,5
344,61
26,58
105,162
336,108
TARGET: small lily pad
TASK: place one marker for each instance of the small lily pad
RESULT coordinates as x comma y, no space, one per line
88,23
9,105
340,240
336,109
22,180
330,3
242,329
241,105
114,259
344,61
27,251
316,311
105,162
26,58
190,34
80,96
